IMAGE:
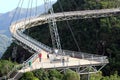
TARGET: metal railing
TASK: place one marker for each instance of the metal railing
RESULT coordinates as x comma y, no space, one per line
31,59
19,67
37,43
87,56
25,64
67,63
75,54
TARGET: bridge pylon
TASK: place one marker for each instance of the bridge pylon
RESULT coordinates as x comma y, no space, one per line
53,29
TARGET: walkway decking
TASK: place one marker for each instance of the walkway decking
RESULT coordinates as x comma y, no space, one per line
38,47
69,62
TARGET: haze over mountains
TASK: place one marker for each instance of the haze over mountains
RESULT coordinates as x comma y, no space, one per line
5,21
4,43
0,14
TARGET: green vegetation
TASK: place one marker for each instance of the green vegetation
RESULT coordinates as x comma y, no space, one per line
99,76
28,76
5,67
20,55
98,36
71,75
41,74
53,74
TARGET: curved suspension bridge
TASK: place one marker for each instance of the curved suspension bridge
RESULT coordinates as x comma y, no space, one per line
79,60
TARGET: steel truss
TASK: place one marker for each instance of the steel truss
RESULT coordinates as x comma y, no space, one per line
72,16
88,69
52,18
53,28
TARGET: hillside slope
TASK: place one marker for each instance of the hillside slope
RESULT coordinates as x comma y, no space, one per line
4,43
5,18
98,36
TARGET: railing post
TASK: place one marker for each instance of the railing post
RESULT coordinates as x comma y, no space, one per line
73,55
79,62
82,56
92,57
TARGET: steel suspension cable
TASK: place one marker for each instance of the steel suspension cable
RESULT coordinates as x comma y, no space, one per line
69,27
78,6
31,8
27,13
72,1
15,12
36,9
30,13
53,28
19,12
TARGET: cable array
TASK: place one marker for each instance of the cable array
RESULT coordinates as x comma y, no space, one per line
72,33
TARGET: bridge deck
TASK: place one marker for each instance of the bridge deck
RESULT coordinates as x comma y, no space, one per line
17,27
46,63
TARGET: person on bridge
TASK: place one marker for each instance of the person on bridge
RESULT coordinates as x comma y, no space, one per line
40,57
30,63
63,61
48,56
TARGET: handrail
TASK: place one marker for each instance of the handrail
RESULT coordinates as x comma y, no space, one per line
69,63
39,44
67,52
80,54
26,63
35,45
31,59
20,66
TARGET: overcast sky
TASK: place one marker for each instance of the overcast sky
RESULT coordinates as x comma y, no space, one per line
8,5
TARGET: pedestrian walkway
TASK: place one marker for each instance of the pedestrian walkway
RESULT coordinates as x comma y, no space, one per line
47,63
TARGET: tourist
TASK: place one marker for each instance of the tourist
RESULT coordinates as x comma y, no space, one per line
48,56
40,57
63,61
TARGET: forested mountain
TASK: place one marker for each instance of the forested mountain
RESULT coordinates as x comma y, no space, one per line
97,36
4,43
6,18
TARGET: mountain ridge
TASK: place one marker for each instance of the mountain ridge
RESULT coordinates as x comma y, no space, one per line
5,18
0,14
4,43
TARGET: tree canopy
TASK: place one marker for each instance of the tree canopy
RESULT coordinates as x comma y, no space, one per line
5,67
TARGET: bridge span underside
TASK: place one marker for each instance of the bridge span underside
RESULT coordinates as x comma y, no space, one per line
78,60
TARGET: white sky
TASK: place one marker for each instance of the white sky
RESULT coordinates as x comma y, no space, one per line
8,5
